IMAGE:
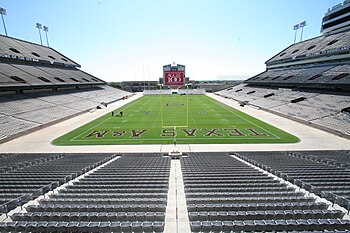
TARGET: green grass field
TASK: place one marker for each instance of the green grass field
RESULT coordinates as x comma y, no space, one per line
186,119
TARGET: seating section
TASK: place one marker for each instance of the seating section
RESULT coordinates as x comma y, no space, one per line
288,76
316,108
40,86
282,87
128,194
308,81
24,65
339,122
24,177
322,76
312,48
34,76
323,173
10,162
335,158
12,48
224,194
24,112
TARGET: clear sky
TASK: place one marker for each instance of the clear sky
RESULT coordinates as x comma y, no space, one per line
120,40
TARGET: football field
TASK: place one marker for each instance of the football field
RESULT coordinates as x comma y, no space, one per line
181,119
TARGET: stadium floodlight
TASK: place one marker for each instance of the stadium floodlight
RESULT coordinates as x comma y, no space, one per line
302,25
39,27
2,13
46,29
295,28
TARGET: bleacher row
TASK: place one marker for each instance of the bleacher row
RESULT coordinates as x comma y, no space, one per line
317,75
312,48
32,75
323,173
10,162
224,194
23,112
127,194
24,177
23,50
317,108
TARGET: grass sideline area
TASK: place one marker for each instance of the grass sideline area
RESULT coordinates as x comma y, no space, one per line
180,119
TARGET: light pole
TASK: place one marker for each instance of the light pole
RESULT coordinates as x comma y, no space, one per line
3,12
302,25
39,26
295,28
46,29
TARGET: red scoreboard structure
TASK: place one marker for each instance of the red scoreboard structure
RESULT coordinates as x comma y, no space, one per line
174,75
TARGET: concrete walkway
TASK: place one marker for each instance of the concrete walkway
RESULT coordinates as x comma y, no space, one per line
176,217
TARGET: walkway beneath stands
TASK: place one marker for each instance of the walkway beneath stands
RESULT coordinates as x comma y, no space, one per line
311,138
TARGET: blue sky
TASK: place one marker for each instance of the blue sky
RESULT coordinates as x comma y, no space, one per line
120,40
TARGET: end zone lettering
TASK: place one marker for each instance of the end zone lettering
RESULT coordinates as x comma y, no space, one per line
170,133
133,133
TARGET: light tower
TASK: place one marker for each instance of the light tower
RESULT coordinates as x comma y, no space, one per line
295,28
302,25
2,13
46,29
39,27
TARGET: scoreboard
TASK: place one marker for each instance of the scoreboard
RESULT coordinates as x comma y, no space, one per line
174,78
174,75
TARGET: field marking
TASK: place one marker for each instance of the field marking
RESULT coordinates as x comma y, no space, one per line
158,116
198,100
234,111
127,106
231,108
124,121
170,138
91,128
165,113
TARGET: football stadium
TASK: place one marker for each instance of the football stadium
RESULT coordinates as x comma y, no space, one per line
269,154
